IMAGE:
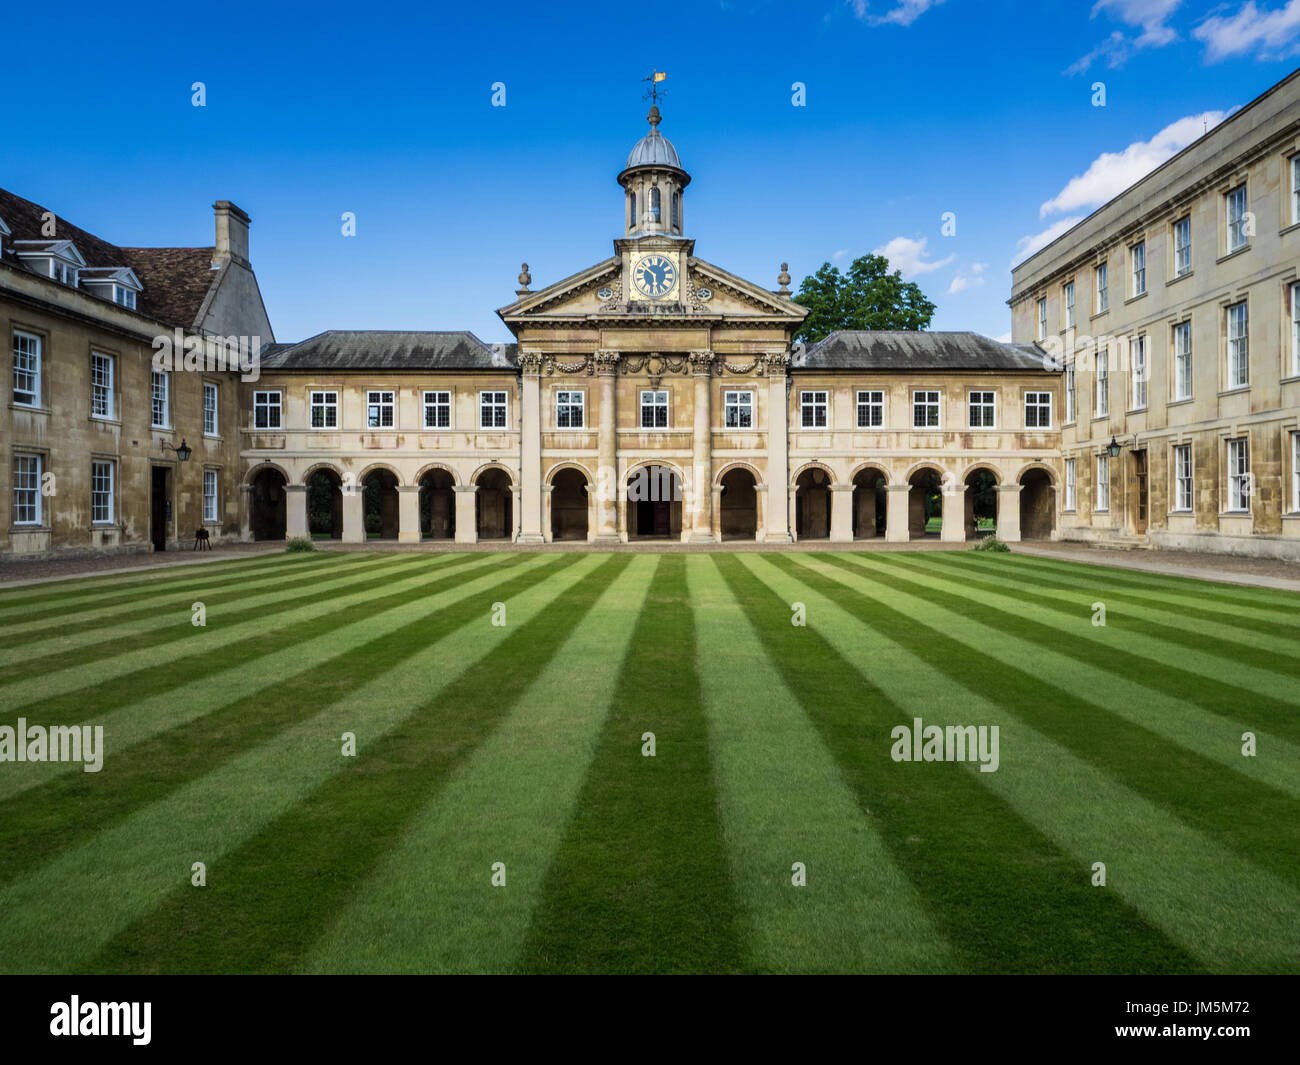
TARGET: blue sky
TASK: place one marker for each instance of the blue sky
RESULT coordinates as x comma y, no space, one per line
914,108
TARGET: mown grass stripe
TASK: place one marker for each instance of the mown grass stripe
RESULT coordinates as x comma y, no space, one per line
74,805
1002,893
64,913
783,801
640,882
1219,907
429,906
254,915
1258,822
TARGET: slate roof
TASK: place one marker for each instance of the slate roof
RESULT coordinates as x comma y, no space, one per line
175,280
912,350
380,349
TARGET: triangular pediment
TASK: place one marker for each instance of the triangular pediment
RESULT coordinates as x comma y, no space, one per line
577,294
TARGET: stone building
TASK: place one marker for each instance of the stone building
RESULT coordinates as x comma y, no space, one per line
92,432
1176,311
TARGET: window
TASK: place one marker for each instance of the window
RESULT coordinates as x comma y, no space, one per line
569,410
1295,473
812,410
654,410
491,410
1103,482
266,410
1238,346
1038,410
27,369
1071,485
1103,382
1069,305
982,410
64,273
1138,256
632,201
1138,372
1071,395
1295,329
925,410
654,204
101,492
379,410
210,398
210,495
1295,189
124,296
27,489
1182,247
101,385
1183,360
1183,477
1238,236
160,399
871,410
1042,318
437,410
1103,290
677,209
324,410
738,410
1238,476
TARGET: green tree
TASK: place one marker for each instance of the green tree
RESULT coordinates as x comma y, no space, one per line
868,296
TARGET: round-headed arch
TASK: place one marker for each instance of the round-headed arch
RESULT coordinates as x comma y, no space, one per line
1030,467
924,464
569,464
975,467
814,465
321,467
753,472
863,467
653,462
377,467
435,467
487,467
262,467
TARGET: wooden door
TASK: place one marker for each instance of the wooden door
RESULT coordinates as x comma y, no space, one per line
1140,484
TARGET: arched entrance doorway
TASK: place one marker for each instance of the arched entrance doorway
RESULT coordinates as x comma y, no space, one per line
654,503
869,503
267,505
493,505
325,505
1037,505
812,505
379,505
925,503
981,503
569,505
738,505
437,506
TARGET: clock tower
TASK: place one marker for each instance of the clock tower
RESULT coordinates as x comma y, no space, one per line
654,250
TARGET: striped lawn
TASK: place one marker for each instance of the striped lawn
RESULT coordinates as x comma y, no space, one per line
502,811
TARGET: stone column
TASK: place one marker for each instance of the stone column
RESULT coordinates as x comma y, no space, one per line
530,451
1009,513
354,515
609,491
295,510
701,519
841,513
715,528
953,529
548,521
896,515
245,513
466,518
760,507
780,499
515,533
408,513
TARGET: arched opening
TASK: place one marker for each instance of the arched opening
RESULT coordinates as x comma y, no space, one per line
654,204
981,503
569,505
1037,505
325,505
812,504
677,209
869,504
379,505
925,504
493,507
267,505
632,210
654,503
437,506
738,506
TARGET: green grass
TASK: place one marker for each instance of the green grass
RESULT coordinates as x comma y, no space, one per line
520,746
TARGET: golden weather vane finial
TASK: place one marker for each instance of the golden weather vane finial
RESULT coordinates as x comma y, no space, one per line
656,76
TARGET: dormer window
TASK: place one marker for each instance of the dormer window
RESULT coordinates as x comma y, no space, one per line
4,232
117,284
57,259
124,296
63,272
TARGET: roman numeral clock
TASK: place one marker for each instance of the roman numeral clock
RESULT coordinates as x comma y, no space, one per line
654,276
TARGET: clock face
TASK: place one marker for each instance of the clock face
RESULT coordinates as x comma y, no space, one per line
654,276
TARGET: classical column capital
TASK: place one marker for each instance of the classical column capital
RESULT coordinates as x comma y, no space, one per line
530,361
702,363
607,361
295,488
776,364
1009,488
464,488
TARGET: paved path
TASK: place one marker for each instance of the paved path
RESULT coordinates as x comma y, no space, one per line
1229,569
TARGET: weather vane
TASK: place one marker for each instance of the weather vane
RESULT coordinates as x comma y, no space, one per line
655,92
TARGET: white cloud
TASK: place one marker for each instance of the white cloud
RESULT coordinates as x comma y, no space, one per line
969,278
1026,246
978,268
908,257
1268,34
1148,15
907,11
1113,172
837,256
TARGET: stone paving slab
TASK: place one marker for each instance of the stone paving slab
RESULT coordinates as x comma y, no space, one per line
1227,569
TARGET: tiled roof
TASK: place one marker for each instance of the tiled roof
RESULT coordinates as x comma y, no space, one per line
175,280
912,350
378,349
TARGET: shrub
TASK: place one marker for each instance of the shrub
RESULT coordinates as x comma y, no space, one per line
990,543
300,543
